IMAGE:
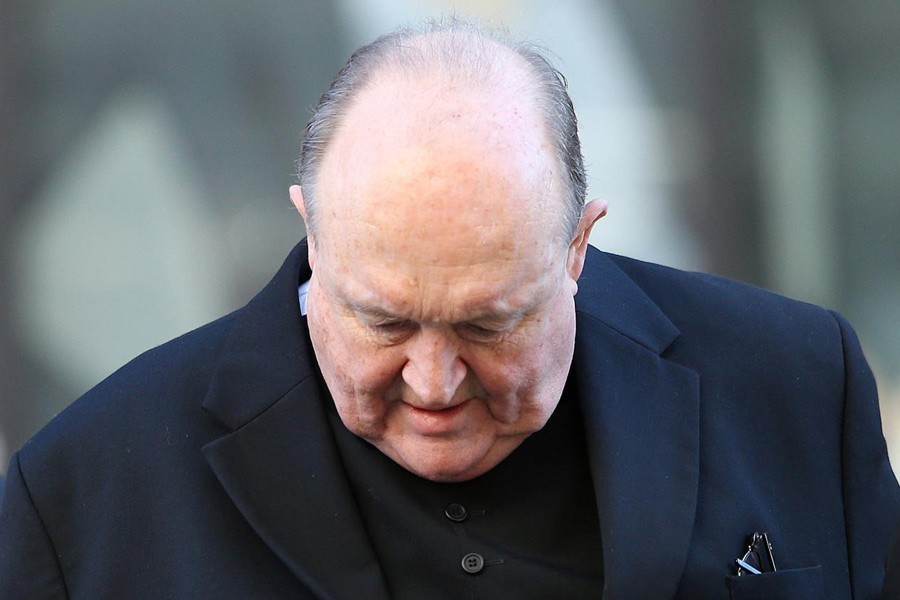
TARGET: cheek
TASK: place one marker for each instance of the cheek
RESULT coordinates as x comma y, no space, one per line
352,366
512,376
375,374
525,379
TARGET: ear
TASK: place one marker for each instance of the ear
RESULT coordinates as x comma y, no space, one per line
296,194
593,212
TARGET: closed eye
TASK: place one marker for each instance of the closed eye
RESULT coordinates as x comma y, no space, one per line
481,333
392,331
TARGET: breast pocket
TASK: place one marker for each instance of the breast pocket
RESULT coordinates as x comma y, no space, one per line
793,584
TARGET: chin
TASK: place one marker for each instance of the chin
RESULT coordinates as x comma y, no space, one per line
447,469
444,474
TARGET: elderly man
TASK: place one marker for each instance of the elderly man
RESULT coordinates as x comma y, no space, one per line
464,400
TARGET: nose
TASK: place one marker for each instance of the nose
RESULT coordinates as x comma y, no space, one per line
433,370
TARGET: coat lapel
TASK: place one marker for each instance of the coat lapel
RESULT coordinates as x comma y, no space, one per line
642,418
279,463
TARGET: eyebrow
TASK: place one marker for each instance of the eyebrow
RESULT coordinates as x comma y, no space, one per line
490,316
373,311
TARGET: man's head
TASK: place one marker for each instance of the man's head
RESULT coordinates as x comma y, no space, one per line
470,54
444,258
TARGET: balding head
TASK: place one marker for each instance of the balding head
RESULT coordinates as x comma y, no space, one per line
454,55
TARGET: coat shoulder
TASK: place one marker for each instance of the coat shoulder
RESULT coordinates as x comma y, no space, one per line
694,300
140,405
729,332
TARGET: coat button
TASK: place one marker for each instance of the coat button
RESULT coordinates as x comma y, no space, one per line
456,512
472,563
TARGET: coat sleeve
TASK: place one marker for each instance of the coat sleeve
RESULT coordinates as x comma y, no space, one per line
871,493
28,565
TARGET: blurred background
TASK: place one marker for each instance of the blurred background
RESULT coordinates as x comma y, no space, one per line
146,149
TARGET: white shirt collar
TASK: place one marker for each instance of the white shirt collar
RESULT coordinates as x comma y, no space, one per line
302,293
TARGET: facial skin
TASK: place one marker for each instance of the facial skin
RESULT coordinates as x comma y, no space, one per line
441,305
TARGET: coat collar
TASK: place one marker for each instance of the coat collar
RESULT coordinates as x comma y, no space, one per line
281,468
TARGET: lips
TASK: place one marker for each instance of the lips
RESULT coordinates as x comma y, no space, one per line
435,422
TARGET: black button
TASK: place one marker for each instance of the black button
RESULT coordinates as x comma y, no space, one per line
472,563
456,512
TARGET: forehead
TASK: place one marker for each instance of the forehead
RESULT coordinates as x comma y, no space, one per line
436,199
439,239
409,150
383,291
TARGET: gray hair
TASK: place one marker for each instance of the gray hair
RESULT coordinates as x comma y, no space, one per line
459,48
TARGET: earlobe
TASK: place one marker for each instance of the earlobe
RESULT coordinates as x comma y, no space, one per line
593,212
296,194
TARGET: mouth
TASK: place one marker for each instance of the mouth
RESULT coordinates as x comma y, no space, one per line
435,421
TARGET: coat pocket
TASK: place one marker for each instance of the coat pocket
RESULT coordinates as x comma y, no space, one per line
793,584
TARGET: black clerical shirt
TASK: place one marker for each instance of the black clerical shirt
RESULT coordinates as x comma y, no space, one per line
526,529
